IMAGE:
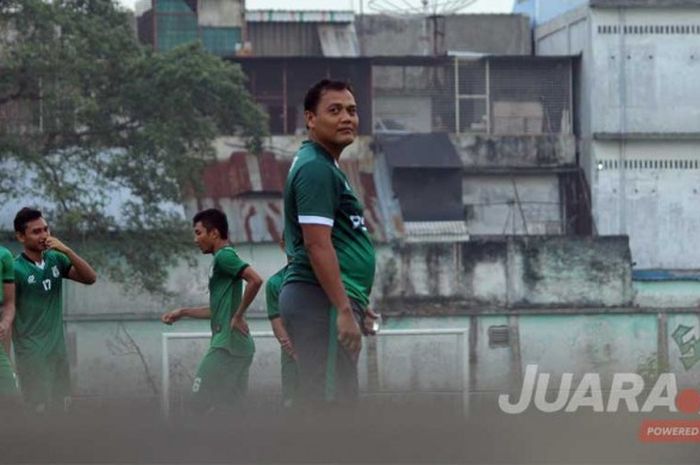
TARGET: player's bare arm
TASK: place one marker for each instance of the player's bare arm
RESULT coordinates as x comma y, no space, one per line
201,313
253,283
8,315
81,271
324,261
282,336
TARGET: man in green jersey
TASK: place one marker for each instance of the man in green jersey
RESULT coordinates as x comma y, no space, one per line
328,281
40,348
8,383
290,374
222,377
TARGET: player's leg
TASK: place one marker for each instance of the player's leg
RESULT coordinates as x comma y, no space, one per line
206,387
34,381
221,381
305,310
290,379
9,391
60,384
346,381
327,372
238,375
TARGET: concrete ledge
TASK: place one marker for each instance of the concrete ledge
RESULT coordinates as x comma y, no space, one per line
507,275
516,151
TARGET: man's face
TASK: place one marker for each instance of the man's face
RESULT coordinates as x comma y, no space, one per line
335,120
204,239
34,236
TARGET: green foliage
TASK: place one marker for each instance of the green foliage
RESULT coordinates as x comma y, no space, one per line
88,113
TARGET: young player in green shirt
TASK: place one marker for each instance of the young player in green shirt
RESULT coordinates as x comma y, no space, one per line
327,285
289,371
8,382
222,377
40,348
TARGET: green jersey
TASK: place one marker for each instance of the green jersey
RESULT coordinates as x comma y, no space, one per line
38,327
318,192
272,293
7,270
225,293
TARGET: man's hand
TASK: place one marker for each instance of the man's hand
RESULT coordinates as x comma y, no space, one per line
239,324
55,244
349,334
171,317
368,322
286,345
5,330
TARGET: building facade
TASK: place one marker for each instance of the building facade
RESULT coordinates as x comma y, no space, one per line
638,112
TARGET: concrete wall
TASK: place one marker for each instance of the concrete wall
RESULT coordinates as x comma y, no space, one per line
536,151
221,13
516,204
646,82
598,342
493,34
417,278
636,85
397,36
187,286
483,275
284,39
650,190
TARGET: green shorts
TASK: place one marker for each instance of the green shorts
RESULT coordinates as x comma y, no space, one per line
221,380
8,380
44,381
290,379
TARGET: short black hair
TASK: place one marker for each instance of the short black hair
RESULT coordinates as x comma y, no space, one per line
24,216
314,94
212,218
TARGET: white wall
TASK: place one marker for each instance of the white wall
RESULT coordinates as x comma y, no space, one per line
646,82
655,200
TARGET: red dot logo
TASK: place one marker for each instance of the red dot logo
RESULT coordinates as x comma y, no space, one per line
688,401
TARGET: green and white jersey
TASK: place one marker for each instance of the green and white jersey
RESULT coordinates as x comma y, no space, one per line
272,293
38,327
7,270
318,192
225,293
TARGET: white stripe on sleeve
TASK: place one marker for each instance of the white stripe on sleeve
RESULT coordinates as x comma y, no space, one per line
310,219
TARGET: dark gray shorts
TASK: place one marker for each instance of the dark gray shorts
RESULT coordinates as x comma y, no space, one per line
327,372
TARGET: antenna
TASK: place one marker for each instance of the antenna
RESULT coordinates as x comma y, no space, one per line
427,10
418,7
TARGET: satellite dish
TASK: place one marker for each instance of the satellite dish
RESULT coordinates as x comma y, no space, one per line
418,7
433,11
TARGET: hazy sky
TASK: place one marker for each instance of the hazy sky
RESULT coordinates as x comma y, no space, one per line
480,6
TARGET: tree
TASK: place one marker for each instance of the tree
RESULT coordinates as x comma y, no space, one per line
87,114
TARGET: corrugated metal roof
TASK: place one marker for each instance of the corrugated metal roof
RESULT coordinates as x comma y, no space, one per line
249,189
244,174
